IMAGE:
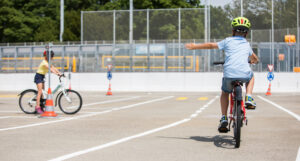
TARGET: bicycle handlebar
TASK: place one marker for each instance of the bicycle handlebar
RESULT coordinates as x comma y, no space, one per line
222,62
218,62
63,75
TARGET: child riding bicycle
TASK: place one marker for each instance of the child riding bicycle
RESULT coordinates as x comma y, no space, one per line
40,76
236,66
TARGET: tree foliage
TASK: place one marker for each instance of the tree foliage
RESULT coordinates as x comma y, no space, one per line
39,20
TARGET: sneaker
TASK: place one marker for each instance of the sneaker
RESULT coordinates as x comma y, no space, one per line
39,110
223,124
249,102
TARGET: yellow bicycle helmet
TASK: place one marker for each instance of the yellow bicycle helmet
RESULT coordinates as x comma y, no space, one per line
241,24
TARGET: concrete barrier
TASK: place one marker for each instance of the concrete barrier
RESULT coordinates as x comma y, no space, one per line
150,82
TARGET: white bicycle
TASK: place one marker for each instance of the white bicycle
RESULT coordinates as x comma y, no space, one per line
69,101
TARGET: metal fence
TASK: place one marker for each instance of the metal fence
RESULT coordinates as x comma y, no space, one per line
157,56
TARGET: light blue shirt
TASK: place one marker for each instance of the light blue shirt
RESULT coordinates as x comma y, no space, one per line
237,51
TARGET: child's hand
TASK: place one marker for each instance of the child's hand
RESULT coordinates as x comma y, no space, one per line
190,46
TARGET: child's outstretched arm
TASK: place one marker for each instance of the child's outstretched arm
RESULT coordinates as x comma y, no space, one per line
254,59
192,46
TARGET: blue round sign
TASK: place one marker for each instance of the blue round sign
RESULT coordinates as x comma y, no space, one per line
270,76
109,75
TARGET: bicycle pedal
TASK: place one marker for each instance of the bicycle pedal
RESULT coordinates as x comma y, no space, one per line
250,107
223,130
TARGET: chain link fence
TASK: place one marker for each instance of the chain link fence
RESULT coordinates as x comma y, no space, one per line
157,56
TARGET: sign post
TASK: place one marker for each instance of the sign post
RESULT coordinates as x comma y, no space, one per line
109,76
49,111
270,77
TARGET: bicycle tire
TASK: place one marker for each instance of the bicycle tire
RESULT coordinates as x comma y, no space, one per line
238,123
76,99
27,105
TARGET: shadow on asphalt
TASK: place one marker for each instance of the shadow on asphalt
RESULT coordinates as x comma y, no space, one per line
221,141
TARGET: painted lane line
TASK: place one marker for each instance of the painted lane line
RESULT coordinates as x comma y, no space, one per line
72,155
109,144
10,111
84,116
298,156
281,108
110,101
90,104
4,117
29,117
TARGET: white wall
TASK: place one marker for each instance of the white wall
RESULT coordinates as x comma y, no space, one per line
147,82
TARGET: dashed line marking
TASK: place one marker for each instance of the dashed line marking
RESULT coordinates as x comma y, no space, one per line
181,98
88,115
109,144
8,95
203,98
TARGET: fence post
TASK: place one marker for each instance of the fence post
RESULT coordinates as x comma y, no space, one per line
31,61
16,51
148,43
1,49
179,39
81,27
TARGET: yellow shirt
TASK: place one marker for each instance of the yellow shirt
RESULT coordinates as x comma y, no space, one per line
42,68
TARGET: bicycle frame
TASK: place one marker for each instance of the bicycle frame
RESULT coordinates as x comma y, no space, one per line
60,87
232,100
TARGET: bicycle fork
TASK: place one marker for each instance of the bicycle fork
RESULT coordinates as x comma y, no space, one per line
66,96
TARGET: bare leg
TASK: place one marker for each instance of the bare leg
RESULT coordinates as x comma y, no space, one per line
224,100
40,87
249,86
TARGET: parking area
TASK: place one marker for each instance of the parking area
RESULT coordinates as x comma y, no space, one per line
161,126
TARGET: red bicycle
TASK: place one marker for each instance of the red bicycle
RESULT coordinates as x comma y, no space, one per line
237,115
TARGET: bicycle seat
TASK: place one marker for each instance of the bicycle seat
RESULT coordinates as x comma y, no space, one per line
237,82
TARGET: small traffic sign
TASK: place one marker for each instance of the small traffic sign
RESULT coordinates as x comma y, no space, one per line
270,67
109,75
270,76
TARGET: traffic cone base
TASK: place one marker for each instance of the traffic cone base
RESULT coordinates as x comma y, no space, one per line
49,114
269,90
49,110
109,93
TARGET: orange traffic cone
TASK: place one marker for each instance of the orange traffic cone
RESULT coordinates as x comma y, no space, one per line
49,112
269,90
109,93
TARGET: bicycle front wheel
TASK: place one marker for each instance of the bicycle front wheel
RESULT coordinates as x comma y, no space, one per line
70,103
237,123
27,101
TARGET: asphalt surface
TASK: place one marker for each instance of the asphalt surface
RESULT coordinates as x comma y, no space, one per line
151,126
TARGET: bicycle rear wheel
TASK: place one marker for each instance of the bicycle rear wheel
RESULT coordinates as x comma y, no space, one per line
27,101
237,123
70,103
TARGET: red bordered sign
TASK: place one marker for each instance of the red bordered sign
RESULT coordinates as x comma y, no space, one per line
270,67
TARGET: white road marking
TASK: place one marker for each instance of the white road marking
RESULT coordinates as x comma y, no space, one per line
5,117
298,156
10,111
72,155
88,115
30,117
109,101
281,108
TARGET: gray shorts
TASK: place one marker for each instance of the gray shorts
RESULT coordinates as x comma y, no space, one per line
228,87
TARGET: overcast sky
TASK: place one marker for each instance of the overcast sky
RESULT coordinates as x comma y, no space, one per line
217,2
